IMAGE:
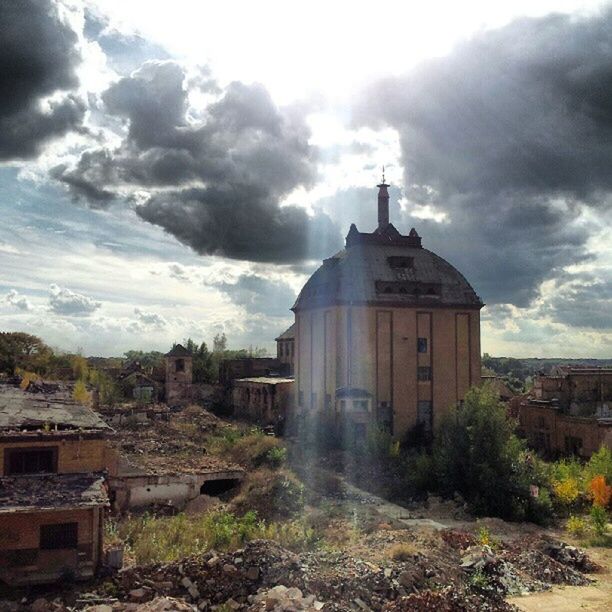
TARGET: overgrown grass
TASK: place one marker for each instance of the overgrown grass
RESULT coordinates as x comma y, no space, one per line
165,539
273,494
252,448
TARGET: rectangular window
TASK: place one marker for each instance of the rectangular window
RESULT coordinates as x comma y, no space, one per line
59,537
30,461
422,345
301,398
313,400
423,373
180,365
360,405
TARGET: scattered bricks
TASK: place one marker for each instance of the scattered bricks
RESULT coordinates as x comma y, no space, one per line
213,561
40,605
252,573
186,582
230,569
138,595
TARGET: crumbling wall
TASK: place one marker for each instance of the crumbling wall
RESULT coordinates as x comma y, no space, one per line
21,561
139,491
73,455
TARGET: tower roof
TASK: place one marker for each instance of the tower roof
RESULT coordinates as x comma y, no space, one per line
178,350
387,268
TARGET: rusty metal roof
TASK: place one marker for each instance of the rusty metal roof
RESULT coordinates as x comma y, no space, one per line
363,272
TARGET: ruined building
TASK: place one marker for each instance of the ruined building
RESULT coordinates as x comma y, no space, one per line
387,333
285,350
569,412
53,460
179,376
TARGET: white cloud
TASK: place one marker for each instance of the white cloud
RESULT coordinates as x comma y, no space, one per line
63,301
19,301
150,319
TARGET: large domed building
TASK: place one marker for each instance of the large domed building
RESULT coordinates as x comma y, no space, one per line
387,333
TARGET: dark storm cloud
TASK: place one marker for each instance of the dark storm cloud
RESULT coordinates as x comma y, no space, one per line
259,295
38,57
582,300
513,132
215,183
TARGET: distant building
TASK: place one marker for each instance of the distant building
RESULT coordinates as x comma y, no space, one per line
246,367
179,376
264,400
390,319
285,350
53,460
569,412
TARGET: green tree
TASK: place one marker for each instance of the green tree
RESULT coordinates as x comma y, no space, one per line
476,453
203,366
147,359
21,350
108,390
220,343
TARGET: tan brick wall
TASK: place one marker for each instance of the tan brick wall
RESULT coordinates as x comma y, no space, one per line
375,348
73,455
554,427
22,529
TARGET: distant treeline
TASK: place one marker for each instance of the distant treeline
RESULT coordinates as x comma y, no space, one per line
30,353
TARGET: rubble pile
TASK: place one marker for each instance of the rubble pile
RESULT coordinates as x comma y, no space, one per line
283,599
454,574
570,556
448,599
212,579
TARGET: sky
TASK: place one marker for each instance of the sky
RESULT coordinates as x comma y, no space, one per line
178,169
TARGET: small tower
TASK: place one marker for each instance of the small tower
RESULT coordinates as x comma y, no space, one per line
179,376
383,204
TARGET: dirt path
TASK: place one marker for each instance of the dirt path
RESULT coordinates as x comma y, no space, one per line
567,599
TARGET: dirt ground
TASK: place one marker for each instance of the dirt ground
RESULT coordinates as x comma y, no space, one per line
597,596
418,526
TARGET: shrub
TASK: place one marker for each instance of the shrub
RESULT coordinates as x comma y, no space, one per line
251,450
576,525
80,394
276,457
483,537
418,472
599,520
478,581
402,552
378,443
600,463
477,454
294,535
272,494
599,491
566,491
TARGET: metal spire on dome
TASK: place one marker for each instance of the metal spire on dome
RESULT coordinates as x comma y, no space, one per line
383,203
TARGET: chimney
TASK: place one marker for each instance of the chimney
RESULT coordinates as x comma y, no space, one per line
383,204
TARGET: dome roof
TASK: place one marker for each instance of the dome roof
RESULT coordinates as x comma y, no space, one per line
388,269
